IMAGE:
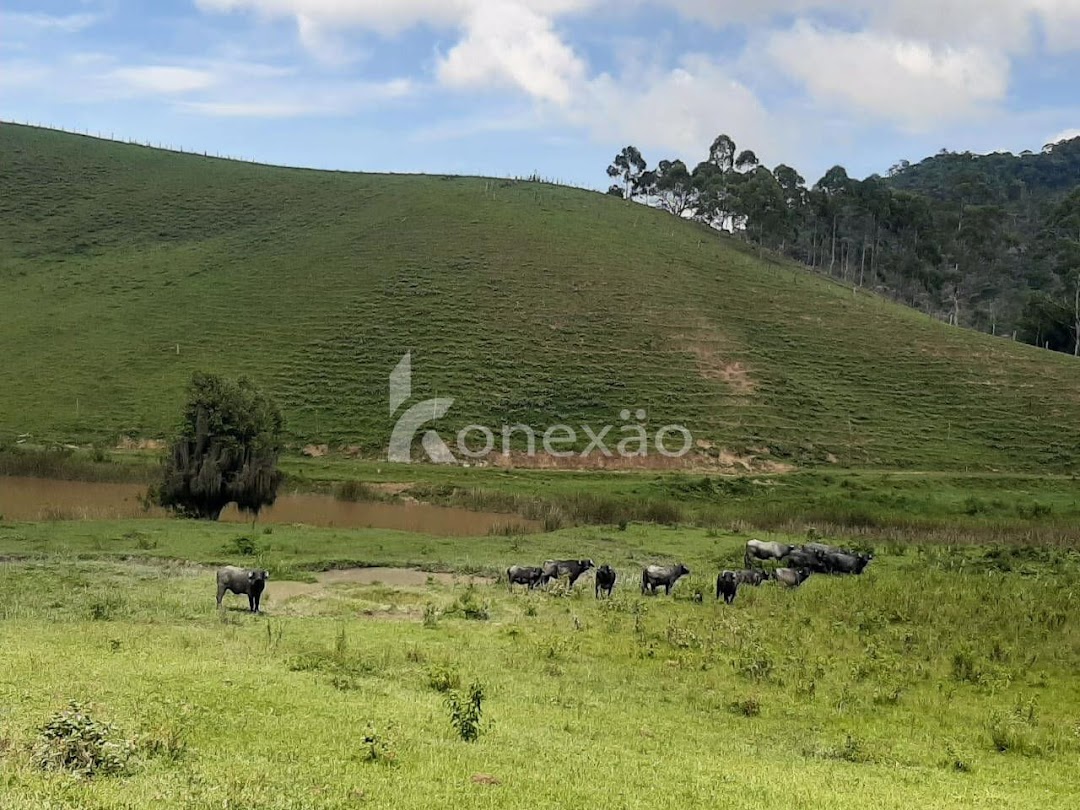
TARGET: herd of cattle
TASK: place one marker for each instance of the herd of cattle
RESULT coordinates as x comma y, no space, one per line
800,562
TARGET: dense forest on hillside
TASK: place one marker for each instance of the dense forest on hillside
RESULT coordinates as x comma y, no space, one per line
990,242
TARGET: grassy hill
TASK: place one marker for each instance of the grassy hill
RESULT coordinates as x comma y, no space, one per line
123,269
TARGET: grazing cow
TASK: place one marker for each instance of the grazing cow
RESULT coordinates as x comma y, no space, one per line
805,557
667,575
757,550
751,576
791,577
242,581
821,548
840,562
727,584
605,580
527,575
557,569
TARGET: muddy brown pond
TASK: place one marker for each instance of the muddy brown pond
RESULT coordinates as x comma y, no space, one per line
38,499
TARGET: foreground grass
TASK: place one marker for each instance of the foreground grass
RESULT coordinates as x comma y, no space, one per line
940,678
522,301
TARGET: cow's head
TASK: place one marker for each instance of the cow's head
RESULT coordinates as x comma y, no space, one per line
258,576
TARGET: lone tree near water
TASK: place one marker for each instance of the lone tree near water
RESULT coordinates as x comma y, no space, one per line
227,450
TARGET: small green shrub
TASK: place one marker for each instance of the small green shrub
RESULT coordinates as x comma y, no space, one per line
466,710
471,606
72,740
377,747
431,615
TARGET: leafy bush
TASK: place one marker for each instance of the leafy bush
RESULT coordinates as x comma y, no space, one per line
466,710
376,747
470,606
72,740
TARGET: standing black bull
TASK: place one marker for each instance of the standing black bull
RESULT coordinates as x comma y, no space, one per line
605,580
527,575
242,581
727,585
807,557
656,575
572,569
839,562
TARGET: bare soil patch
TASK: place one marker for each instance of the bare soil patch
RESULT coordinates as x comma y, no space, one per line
395,577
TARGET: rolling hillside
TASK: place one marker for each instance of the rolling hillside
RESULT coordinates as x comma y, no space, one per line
123,269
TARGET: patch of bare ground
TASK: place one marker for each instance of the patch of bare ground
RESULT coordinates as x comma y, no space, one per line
283,590
714,363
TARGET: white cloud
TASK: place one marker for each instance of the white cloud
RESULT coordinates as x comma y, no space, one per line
163,79
389,16
1008,25
1061,23
13,21
1065,135
906,81
680,110
295,100
507,44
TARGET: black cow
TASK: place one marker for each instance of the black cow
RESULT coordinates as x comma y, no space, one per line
727,584
757,550
605,580
527,575
806,557
242,581
752,576
840,562
556,569
791,577
654,576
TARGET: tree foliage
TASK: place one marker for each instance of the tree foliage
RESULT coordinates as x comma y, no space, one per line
226,451
627,168
985,241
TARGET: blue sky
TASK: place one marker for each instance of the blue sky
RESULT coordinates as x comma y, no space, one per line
512,87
